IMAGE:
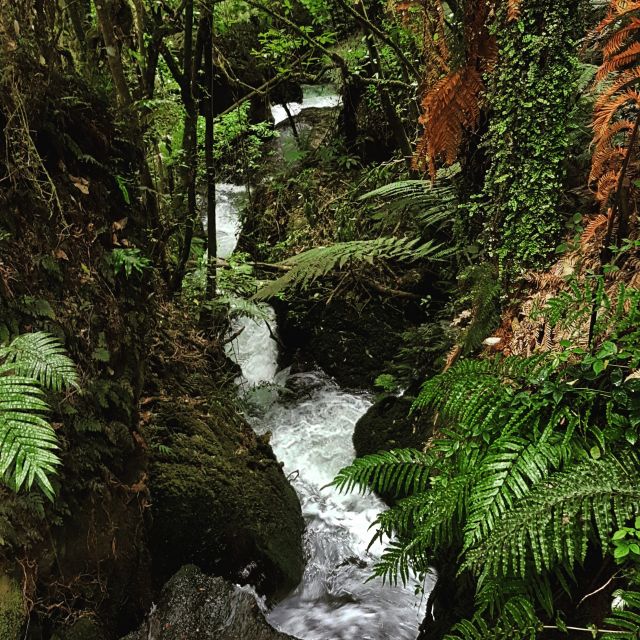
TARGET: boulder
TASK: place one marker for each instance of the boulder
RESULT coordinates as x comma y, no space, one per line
219,499
200,607
388,425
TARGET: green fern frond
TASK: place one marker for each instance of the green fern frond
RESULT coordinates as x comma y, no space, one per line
309,266
511,466
432,518
420,201
28,443
626,622
41,356
517,621
397,471
553,523
27,440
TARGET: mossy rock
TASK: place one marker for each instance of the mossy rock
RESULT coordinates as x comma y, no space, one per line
350,341
83,629
220,500
12,609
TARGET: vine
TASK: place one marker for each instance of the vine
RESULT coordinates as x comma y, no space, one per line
531,94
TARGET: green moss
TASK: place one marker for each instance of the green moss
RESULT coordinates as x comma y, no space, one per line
83,629
220,500
12,609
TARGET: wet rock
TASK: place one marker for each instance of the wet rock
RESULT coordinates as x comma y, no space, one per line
220,499
200,607
388,424
12,609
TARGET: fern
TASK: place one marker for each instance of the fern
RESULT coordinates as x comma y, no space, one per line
554,522
420,201
41,356
627,622
28,443
305,268
398,471
517,621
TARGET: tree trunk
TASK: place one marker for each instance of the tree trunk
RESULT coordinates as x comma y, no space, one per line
192,60
212,245
103,11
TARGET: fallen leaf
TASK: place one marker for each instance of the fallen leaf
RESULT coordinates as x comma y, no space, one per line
82,184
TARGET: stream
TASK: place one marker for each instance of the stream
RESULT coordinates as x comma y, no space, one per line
311,421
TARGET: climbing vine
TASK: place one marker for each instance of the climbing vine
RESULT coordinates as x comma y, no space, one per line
531,95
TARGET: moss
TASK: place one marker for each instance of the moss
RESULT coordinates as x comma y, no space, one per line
220,500
12,609
83,629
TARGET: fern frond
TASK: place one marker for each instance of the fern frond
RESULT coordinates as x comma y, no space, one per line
436,521
553,523
398,471
512,465
517,620
27,440
41,356
625,622
307,267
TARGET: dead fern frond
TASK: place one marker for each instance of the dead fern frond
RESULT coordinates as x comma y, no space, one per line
596,225
618,106
451,103
513,10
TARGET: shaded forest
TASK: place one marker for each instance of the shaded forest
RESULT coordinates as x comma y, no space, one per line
274,270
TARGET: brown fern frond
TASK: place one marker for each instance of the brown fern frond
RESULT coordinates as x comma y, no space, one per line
618,105
619,38
618,10
451,103
618,61
513,10
606,186
598,223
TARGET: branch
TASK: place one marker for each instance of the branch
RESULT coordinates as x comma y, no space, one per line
338,60
363,20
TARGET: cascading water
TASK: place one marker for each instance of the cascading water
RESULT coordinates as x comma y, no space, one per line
311,427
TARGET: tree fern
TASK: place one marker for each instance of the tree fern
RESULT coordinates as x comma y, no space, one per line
308,266
28,443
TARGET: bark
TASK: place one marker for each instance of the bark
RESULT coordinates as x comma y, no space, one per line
212,245
114,59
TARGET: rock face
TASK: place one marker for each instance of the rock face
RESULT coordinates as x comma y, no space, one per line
219,499
350,342
200,607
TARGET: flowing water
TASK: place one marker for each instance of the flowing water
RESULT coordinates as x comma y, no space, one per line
311,421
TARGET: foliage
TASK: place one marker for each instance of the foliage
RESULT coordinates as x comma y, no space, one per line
616,109
305,268
129,261
31,363
532,462
532,92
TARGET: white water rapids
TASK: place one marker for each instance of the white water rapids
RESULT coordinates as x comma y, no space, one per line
311,422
